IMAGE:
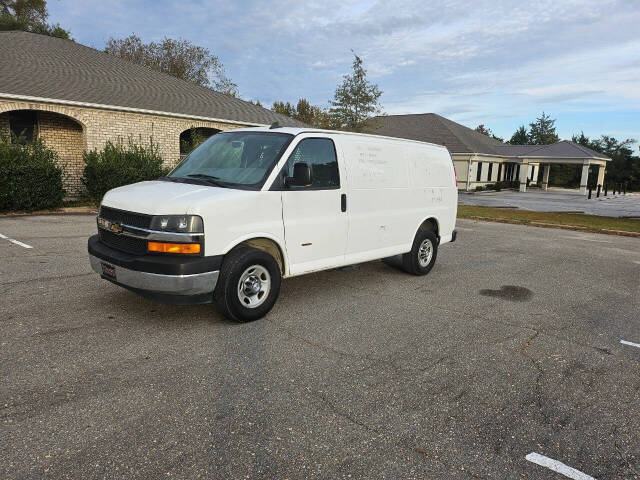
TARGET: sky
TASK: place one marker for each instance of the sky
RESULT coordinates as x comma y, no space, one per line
498,63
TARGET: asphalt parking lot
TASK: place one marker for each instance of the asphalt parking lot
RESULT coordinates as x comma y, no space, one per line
559,200
510,346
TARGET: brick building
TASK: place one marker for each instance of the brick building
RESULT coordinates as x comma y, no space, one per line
76,98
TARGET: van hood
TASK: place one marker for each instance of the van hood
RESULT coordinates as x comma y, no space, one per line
167,198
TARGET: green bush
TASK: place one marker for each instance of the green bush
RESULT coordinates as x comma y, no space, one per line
30,178
116,165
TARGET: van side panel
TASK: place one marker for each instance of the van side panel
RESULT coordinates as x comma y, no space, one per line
393,187
378,185
433,186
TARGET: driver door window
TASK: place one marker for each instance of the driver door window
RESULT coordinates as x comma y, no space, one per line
320,154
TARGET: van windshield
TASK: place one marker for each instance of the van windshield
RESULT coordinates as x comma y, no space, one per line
233,159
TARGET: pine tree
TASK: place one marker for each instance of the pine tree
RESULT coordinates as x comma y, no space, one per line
483,130
520,137
543,131
355,100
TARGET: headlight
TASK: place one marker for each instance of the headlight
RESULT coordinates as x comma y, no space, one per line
177,223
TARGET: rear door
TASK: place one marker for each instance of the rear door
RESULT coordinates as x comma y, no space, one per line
315,224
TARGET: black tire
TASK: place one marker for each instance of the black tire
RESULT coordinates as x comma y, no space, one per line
234,266
412,263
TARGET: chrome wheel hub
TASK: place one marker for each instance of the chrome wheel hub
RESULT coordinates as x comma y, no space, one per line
254,286
425,252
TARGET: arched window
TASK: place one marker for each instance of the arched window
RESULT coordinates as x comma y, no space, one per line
23,124
191,138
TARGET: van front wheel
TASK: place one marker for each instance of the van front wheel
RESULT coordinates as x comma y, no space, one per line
248,285
420,260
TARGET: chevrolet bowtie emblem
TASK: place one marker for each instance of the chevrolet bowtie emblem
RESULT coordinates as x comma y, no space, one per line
116,228
111,226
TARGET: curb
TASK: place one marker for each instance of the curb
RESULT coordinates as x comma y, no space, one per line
60,211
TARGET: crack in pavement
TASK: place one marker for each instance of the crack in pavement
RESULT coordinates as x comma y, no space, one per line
623,455
536,364
326,348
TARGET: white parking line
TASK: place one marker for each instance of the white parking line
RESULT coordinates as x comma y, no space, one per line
624,342
20,243
24,245
557,466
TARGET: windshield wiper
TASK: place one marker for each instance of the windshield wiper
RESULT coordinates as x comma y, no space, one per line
213,180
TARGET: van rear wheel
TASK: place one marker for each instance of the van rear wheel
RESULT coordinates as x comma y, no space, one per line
420,260
248,285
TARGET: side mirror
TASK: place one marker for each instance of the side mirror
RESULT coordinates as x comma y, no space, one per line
301,176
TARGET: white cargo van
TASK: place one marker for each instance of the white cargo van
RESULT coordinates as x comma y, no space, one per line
249,207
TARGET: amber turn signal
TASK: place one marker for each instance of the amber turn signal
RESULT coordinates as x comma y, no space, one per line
162,247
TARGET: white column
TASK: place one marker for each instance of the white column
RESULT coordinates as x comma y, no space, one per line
584,179
524,174
468,186
545,176
601,175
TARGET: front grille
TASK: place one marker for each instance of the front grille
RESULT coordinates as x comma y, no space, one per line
136,246
126,218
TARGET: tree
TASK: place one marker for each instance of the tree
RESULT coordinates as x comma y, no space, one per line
543,131
33,11
355,100
284,109
487,131
624,166
29,16
520,137
483,130
177,57
304,112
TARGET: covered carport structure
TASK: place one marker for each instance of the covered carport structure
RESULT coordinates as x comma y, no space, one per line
564,152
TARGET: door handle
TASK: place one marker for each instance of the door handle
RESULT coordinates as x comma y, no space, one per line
343,202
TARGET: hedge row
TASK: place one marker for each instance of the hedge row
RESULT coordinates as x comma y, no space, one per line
116,165
30,178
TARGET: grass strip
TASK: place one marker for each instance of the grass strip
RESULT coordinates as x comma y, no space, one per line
571,221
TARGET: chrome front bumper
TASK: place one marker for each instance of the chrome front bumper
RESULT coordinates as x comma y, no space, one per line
196,284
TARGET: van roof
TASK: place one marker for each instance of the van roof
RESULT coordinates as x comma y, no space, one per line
298,131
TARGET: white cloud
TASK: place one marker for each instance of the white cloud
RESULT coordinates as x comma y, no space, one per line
470,59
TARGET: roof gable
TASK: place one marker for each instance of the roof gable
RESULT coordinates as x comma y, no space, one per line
47,67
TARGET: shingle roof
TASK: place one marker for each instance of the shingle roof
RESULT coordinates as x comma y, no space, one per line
433,128
48,67
562,149
516,150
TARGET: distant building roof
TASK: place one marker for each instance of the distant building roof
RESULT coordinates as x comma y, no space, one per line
562,149
516,150
46,67
433,128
